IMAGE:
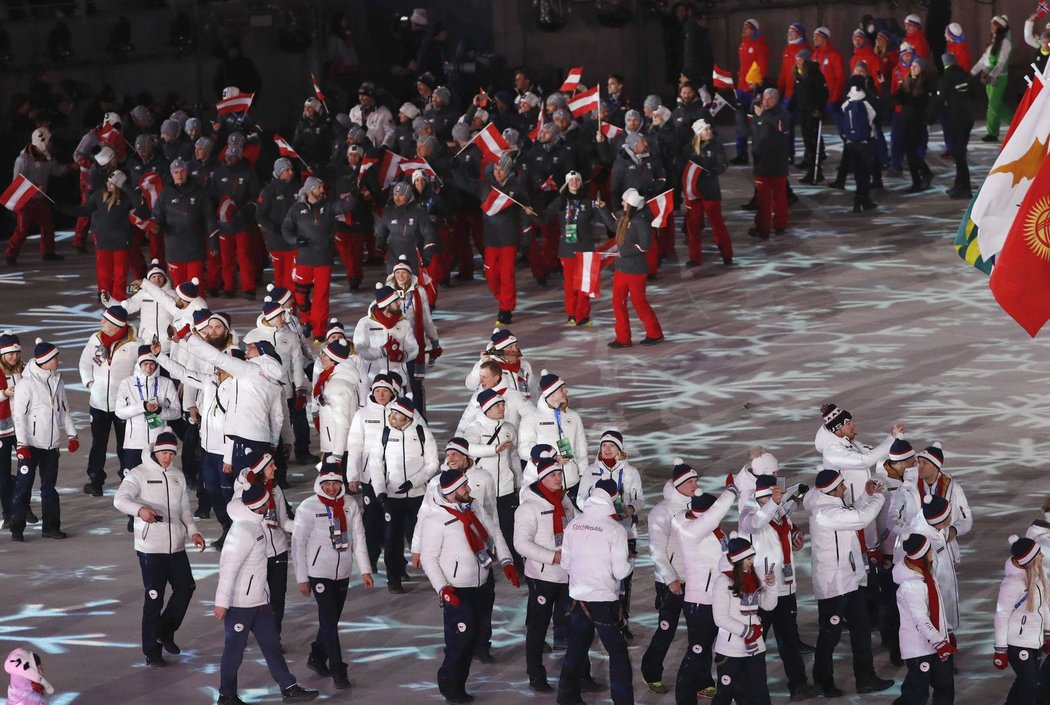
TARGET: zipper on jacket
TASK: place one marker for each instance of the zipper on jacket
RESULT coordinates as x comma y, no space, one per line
316,555
455,569
167,506
249,590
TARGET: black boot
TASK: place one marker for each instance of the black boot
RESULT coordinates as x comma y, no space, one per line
318,661
340,679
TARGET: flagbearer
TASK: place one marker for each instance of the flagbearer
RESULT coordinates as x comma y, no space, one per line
703,194
26,196
634,235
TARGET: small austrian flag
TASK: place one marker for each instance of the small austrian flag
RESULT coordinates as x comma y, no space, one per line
691,181
662,208
572,81
227,209
722,79
496,202
584,103
236,104
140,223
588,273
19,193
611,132
150,186
491,143
410,166
284,148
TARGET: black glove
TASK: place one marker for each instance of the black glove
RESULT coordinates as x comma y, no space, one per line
381,498
405,487
803,488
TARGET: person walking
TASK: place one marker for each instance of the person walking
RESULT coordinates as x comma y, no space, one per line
634,238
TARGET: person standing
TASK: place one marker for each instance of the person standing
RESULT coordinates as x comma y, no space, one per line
146,403
503,349
858,134
383,339
417,312
242,602
914,98
108,359
336,393
796,42
752,51
554,423
832,67
275,200
924,631
953,103
11,369
576,215
459,547
36,164
155,494
185,215
992,70
808,102
40,412
490,376
109,209
708,155
770,170
234,186
328,532
634,238
1022,620
594,553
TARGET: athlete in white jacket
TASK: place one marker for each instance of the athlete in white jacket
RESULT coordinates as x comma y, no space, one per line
383,339
852,459
554,423
490,375
154,316
336,397
242,601
328,532
1022,619
43,424
156,495
503,349
928,478
146,402
594,553
925,646
933,522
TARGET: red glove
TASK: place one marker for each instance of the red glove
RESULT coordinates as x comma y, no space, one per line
1000,660
946,649
393,350
24,453
183,333
754,635
512,574
448,594
729,481
317,423
1046,642
434,354
74,444
300,400
952,640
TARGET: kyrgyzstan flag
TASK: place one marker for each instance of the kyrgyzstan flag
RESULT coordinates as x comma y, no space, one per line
284,148
588,273
496,202
237,104
611,132
150,186
19,193
388,168
1020,280
584,103
662,208
722,79
491,143
572,81
691,181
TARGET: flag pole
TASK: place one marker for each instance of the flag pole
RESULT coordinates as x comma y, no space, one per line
469,142
816,154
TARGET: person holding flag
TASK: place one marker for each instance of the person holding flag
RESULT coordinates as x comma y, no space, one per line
703,194
185,214
27,197
770,148
275,200
545,166
375,118
234,187
313,136
356,179
634,237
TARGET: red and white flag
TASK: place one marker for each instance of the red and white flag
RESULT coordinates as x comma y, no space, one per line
549,185
588,273
317,88
366,164
611,132
19,193
584,103
662,208
691,181
491,143
572,81
717,103
496,202
388,168
722,79
150,185
535,132
140,223
409,166
236,104
227,209
284,148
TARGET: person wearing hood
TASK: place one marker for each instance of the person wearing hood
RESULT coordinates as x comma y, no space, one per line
1022,620
954,105
11,369
185,217
459,548
274,202
271,326
36,164
43,423
839,571
595,555
108,358
28,685
633,266
554,423
328,533
383,338
927,646
154,317
858,134
698,529
752,51
336,395
155,494
765,522
668,569
416,309
146,402
702,193
405,229
539,532
242,599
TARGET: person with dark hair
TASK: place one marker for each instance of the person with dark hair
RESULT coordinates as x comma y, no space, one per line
953,103
914,99
808,100
698,61
992,71
770,150
619,104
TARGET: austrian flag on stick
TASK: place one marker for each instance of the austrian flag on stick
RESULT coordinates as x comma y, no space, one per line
610,131
19,193
284,148
722,79
584,103
496,202
388,168
662,208
236,104
572,81
491,143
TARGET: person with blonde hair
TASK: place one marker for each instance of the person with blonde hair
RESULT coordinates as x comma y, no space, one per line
1022,620
702,193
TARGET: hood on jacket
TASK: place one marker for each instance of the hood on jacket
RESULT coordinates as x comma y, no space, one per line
672,495
269,367
320,493
599,503
902,573
239,511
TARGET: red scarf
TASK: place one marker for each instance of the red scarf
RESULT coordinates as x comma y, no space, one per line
477,537
109,342
383,317
254,478
609,462
417,325
783,529
322,380
337,507
931,590
555,498
514,367
940,487
751,582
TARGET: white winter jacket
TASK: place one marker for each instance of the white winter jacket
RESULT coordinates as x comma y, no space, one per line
1017,624
909,505
370,339
212,399
408,455
541,427
180,317
534,535
943,566
277,529
756,526
854,462
663,543
516,408
154,316
735,618
242,563
445,553
288,346
628,483
483,435
594,552
520,380
134,392
918,636
705,550
839,565
337,406
102,373
166,493
312,553
40,410
363,439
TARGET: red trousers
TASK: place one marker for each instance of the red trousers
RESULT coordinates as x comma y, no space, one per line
35,214
214,271
465,238
441,261
283,261
182,272
136,263
543,249
772,202
237,252
350,246
632,285
499,273
311,295
80,233
577,303
694,228
665,239
111,271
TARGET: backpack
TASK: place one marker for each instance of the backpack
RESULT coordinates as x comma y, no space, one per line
855,124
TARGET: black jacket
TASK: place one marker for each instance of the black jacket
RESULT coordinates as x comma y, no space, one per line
503,228
312,139
406,230
310,228
273,204
639,239
811,90
186,216
712,159
577,217
110,226
240,184
770,143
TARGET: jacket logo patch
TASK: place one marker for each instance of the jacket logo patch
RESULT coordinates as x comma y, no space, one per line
319,588
152,594
238,627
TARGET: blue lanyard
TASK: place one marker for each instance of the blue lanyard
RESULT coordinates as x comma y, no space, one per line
557,420
138,383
